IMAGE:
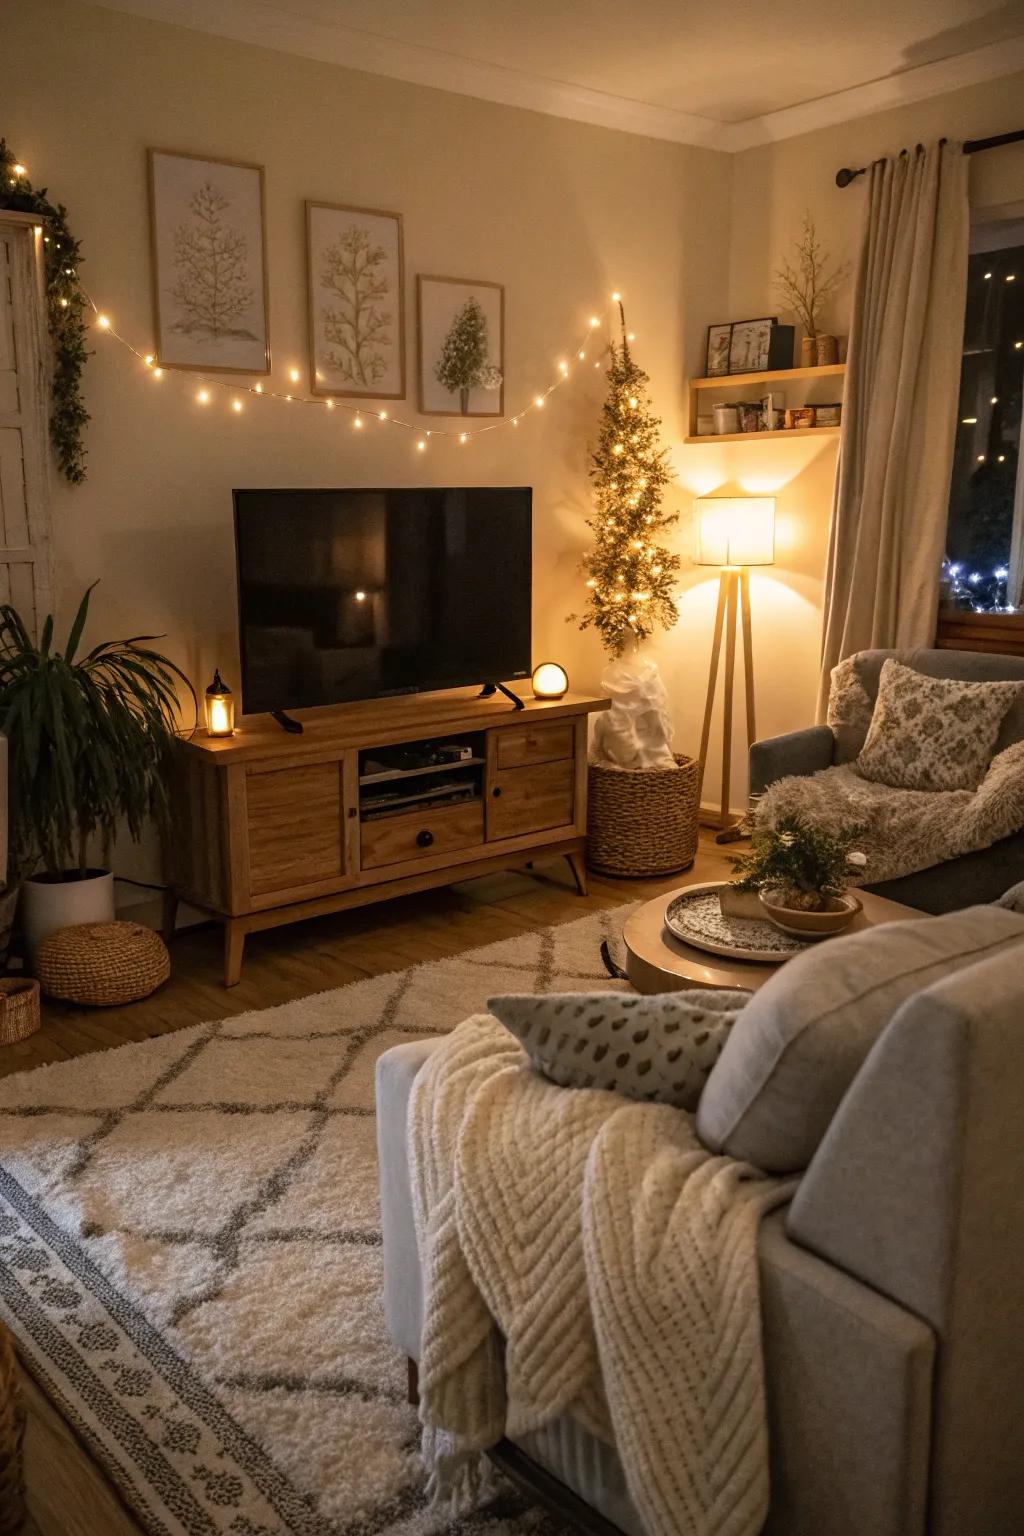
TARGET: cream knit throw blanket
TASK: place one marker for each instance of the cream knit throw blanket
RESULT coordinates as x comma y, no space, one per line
583,1254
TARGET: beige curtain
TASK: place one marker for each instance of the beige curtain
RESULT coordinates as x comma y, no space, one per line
899,417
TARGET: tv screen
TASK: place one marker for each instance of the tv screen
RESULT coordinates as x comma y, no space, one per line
354,594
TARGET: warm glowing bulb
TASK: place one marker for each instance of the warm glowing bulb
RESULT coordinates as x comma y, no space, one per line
616,297
63,303
203,396
981,458
103,321
383,415
618,449
463,437
1001,459
591,582
20,170
969,421
987,276
563,367
259,389
632,402
581,354
294,375
357,422
538,400
421,444
994,400
329,404
1011,277
360,597
631,336
1018,345
236,405
636,544
515,421
594,322
656,570
158,373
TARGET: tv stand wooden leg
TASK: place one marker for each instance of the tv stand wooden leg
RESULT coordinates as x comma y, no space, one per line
579,871
234,948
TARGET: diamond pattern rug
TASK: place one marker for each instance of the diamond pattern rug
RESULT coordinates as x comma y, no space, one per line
190,1253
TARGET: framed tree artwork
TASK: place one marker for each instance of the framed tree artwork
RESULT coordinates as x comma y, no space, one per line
208,238
356,302
461,339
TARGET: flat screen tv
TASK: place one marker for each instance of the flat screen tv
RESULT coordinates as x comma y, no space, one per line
358,594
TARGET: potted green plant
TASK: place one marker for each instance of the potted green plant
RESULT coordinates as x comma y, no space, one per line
800,873
87,741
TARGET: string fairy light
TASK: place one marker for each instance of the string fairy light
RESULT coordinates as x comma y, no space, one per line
208,385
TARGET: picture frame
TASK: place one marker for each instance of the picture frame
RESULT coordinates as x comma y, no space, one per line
750,344
460,348
716,364
355,284
209,315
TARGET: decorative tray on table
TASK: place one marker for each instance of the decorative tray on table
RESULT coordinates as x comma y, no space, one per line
695,916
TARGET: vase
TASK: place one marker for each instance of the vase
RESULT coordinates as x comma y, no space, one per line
53,901
807,351
826,350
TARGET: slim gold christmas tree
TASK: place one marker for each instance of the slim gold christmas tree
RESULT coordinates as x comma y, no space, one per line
630,575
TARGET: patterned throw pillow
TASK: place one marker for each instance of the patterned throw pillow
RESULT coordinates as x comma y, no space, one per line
660,1047
933,732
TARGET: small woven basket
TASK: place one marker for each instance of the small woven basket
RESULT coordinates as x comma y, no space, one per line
19,1009
102,964
642,821
12,1429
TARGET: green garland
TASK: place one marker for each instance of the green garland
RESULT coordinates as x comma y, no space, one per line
65,306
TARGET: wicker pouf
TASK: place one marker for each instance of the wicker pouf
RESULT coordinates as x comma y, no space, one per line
102,964
642,821
19,1009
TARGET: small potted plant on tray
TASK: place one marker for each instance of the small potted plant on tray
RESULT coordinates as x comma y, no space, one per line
800,873
88,736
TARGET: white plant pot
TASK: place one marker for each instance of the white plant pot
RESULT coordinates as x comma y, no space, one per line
49,904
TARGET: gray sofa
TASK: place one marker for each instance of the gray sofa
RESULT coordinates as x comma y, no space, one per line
891,1286
977,877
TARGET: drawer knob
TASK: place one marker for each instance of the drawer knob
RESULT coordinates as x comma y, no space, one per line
424,838
496,791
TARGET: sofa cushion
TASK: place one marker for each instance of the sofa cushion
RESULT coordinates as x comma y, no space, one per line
800,1042
658,1047
933,733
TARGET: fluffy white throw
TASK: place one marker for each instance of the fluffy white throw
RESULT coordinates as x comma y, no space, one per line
583,1254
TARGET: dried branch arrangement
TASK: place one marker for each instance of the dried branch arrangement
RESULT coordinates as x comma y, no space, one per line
807,284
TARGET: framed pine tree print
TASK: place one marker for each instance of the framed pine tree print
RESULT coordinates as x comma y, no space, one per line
208,242
356,280
461,346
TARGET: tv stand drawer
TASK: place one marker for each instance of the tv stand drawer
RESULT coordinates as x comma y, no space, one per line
421,834
526,800
520,746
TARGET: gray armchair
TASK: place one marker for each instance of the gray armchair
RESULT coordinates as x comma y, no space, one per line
962,882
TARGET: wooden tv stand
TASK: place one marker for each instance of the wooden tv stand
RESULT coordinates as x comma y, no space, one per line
269,828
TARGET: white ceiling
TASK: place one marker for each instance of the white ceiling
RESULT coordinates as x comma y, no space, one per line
725,72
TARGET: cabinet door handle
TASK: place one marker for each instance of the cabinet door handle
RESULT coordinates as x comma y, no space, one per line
496,791
424,838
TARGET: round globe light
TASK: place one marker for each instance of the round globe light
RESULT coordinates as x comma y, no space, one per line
550,681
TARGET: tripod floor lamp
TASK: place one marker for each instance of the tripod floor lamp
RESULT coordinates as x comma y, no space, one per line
734,533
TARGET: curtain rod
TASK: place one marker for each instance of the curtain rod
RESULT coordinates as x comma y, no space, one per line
971,147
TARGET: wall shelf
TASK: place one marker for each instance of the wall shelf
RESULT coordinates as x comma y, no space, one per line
756,437
762,383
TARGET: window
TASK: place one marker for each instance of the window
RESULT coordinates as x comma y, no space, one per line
984,567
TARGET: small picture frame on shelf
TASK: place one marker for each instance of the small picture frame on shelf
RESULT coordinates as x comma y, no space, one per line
716,363
756,345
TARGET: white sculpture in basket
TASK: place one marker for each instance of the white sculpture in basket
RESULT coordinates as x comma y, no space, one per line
636,732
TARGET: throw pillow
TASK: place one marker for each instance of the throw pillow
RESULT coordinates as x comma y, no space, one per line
933,733
801,1040
661,1047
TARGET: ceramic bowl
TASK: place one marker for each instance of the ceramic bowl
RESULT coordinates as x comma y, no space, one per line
812,925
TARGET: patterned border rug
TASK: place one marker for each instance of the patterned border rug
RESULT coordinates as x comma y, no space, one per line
190,1253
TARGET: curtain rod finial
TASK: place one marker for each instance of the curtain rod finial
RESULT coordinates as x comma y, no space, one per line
845,176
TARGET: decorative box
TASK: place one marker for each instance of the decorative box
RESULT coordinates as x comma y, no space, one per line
828,415
801,416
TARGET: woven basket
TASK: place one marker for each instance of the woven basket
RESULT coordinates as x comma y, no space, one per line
19,1009
102,964
12,1429
642,821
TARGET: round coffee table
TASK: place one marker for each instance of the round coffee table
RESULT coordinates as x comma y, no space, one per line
656,961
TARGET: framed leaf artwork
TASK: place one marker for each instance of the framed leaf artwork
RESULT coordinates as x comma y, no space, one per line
461,339
208,239
356,287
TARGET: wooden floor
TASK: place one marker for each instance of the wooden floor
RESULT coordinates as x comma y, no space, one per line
285,963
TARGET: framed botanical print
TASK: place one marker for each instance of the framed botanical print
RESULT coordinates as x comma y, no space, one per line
461,346
208,239
356,284
717,361
750,345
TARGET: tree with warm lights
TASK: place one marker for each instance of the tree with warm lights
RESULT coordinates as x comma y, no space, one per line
630,574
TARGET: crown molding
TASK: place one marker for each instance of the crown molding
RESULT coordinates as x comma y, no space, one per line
310,29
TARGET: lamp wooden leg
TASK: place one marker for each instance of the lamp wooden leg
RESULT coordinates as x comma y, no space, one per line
709,704
730,679
748,654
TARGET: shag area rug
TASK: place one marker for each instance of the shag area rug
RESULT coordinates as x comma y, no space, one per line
190,1253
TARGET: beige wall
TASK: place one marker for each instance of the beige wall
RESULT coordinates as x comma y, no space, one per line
773,186
560,212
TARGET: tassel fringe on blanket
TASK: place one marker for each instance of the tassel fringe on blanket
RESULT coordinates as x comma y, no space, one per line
584,1255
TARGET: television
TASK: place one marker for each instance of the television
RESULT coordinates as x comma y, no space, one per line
359,594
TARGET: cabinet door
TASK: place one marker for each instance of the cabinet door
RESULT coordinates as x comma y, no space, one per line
295,827
523,800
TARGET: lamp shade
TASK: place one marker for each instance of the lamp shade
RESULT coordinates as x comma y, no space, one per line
735,530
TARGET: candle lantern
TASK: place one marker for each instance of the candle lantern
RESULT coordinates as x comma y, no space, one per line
220,708
549,681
